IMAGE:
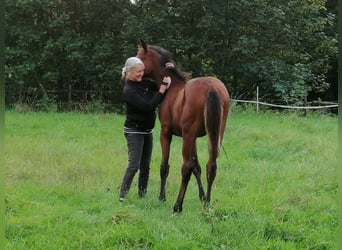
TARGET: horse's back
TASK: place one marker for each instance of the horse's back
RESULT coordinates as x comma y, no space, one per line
184,110
195,99
199,87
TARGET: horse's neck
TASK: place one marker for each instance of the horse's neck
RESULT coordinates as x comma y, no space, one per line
159,75
175,89
175,81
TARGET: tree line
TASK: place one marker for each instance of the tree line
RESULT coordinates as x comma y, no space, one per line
62,50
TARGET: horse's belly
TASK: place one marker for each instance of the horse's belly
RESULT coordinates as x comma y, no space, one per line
177,131
201,133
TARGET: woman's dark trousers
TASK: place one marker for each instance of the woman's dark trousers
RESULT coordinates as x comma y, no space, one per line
139,158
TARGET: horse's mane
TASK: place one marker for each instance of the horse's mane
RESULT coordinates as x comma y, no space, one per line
166,56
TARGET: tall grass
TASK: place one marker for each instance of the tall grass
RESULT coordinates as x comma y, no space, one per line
275,187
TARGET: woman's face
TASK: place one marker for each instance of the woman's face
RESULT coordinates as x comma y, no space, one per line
137,73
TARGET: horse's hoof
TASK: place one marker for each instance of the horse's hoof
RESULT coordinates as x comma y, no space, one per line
177,209
206,204
162,198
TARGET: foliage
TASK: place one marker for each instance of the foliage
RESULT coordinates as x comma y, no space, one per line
285,47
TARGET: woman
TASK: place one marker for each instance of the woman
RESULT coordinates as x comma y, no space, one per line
141,97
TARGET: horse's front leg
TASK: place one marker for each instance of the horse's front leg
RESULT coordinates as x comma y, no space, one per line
187,167
165,141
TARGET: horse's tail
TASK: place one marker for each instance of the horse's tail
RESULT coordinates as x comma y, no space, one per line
213,121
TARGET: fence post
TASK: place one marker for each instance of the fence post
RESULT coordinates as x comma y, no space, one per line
257,98
69,99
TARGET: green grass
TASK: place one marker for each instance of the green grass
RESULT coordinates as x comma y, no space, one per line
276,186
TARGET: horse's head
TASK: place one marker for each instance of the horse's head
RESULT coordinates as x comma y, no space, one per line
149,58
155,59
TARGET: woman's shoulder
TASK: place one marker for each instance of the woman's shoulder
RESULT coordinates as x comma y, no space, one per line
130,84
129,88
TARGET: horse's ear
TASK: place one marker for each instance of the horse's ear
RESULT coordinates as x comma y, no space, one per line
143,44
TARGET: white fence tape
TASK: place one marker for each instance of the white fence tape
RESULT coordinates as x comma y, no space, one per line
288,107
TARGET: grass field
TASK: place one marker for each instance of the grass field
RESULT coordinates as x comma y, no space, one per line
276,186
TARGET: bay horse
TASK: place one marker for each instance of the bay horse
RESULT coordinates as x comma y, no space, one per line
191,109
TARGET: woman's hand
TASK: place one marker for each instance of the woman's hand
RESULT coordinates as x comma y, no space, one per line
169,65
167,81
165,84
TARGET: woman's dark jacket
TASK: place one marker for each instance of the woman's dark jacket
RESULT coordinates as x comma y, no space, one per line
141,101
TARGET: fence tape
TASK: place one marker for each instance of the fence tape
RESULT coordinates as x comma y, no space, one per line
288,107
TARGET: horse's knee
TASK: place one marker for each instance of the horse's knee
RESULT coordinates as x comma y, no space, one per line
186,172
164,170
197,169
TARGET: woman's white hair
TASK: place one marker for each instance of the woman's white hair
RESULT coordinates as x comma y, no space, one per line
131,62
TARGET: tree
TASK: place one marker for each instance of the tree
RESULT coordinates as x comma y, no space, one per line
57,44
285,47
280,45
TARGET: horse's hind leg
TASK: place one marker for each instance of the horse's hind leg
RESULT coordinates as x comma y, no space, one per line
211,174
196,170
